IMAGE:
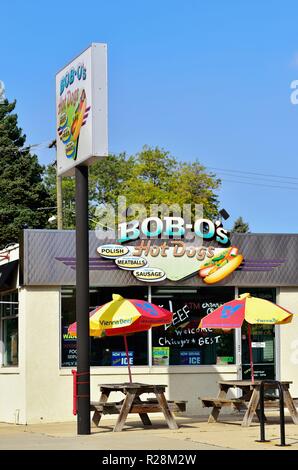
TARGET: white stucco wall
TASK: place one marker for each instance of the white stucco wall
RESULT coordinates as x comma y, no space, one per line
44,392
288,333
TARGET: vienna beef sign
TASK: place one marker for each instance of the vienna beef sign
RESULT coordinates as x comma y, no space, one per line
175,259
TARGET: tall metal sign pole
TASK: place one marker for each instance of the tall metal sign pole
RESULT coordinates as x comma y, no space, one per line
82,300
81,107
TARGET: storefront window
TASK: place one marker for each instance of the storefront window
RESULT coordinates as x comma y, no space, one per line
108,351
181,343
262,338
9,329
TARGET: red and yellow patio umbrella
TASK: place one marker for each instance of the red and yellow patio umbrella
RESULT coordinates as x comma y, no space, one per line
253,310
122,317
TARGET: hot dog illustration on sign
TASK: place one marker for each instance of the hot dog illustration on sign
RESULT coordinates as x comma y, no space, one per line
221,265
71,120
72,113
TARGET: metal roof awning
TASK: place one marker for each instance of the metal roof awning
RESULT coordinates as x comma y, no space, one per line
49,259
7,275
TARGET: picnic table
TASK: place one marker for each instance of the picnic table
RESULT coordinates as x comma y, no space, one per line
249,400
132,403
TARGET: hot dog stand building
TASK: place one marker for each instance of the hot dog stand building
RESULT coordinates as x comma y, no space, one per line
37,304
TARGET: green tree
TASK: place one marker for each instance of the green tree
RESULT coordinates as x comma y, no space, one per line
158,178
152,176
105,183
23,195
108,177
240,226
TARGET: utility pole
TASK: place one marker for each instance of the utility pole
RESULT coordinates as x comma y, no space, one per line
58,192
59,201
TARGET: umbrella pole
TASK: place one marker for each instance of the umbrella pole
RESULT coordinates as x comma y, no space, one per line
127,357
250,353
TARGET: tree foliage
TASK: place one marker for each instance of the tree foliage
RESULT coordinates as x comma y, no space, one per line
23,195
240,226
152,176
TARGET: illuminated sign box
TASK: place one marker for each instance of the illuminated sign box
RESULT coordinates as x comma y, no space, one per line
81,110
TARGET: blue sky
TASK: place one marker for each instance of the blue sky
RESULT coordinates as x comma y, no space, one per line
203,79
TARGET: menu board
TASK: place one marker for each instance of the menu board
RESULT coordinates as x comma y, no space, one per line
69,349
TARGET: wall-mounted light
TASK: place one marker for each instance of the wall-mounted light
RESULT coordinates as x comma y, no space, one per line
52,219
224,214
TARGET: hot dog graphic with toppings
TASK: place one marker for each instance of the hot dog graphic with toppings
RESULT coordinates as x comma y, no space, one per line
221,265
78,117
71,120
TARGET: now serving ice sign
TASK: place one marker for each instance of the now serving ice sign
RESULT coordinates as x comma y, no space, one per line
119,358
81,110
190,357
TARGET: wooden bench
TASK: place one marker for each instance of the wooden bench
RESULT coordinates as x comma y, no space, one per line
151,405
106,408
132,403
271,402
176,406
236,403
249,401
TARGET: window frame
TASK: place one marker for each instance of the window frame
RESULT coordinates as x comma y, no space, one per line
65,367
5,318
236,345
153,296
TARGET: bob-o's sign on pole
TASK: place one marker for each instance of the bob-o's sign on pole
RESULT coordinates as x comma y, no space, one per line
81,110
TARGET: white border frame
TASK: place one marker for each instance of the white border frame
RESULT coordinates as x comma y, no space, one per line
277,340
238,345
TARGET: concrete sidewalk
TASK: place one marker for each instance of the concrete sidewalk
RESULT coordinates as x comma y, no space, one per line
193,434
